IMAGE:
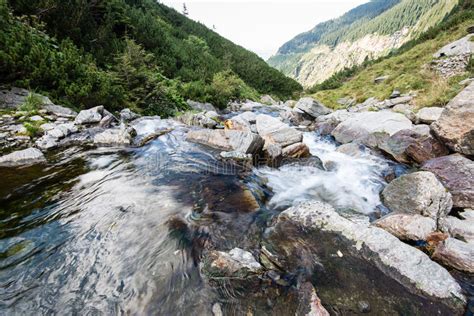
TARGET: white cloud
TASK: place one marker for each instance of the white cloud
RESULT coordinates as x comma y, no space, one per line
263,25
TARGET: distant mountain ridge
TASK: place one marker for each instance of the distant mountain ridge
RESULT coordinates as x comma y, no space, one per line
365,32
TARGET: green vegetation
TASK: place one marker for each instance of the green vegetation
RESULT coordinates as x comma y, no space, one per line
405,67
125,53
33,128
32,103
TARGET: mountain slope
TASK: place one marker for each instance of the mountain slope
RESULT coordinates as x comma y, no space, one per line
126,53
366,32
407,69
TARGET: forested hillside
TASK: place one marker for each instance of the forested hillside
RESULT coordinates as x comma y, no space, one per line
135,53
366,32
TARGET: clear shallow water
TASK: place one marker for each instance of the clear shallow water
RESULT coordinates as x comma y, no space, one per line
115,231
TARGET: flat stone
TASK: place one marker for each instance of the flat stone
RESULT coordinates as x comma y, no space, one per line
114,136
273,131
455,127
455,253
463,46
227,140
237,263
418,193
407,226
456,172
298,150
47,142
363,126
60,111
312,107
22,157
36,118
93,115
429,115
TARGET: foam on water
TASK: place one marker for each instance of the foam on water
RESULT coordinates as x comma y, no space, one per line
350,182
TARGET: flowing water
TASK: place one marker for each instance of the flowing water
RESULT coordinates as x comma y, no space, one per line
112,231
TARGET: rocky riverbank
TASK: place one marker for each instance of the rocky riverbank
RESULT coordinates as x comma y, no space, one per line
403,256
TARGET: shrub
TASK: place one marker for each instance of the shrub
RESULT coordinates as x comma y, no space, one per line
227,86
32,103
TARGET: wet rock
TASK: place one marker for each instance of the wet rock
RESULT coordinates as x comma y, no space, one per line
456,172
352,149
90,116
298,150
367,252
309,303
273,155
273,131
128,115
460,47
429,115
12,98
367,126
456,125
60,111
455,253
198,106
408,146
418,193
236,263
227,140
235,155
407,226
462,229
380,79
312,107
114,136
217,309
24,157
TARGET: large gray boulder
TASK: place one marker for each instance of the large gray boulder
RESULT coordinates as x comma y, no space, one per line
407,226
90,116
455,253
410,145
456,172
429,115
60,111
127,115
418,193
312,107
198,106
456,125
314,235
464,46
24,157
12,98
227,140
366,127
119,136
273,131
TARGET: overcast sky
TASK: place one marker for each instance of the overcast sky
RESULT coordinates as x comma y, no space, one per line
263,25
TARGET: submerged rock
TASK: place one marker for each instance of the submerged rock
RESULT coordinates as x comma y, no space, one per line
28,156
227,140
236,263
456,124
456,172
312,107
346,254
407,226
418,193
455,253
366,126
